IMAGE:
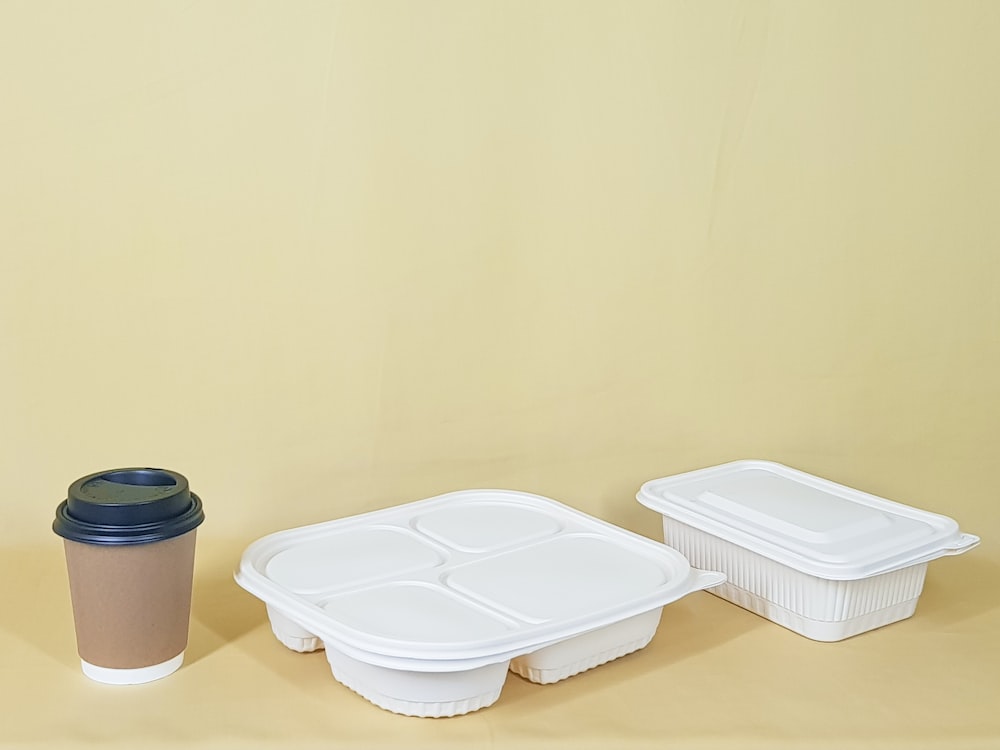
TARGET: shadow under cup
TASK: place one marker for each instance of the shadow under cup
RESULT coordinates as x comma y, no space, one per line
129,536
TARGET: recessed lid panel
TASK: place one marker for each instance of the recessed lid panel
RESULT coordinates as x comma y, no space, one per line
485,526
351,557
416,613
563,578
808,523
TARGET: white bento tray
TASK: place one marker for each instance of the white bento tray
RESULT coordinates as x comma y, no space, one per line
423,607
821,559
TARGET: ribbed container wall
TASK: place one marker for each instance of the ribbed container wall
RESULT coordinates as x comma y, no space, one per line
761,585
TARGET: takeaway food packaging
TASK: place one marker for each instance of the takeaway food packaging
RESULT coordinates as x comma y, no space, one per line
423,608
129,538
822,559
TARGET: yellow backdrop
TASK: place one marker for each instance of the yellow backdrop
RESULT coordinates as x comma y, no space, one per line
324,257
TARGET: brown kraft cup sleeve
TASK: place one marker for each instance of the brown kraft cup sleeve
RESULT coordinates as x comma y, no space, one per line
131,603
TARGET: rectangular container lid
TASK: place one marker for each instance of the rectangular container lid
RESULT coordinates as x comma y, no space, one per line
463,579
810,524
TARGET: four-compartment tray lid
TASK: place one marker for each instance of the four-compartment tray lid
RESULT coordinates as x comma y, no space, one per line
472,575
810,524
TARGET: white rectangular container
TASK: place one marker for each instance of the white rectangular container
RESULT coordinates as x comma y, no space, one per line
819,558
422,608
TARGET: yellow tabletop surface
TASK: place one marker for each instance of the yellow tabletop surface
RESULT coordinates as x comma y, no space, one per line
714,676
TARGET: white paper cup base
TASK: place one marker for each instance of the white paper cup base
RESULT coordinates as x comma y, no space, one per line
132,676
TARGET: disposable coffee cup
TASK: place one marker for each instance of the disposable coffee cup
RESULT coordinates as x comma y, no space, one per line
129,536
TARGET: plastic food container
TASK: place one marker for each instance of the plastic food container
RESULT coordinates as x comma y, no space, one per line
423,608
819,558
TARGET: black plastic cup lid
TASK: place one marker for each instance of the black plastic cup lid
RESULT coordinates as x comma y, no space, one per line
128,506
